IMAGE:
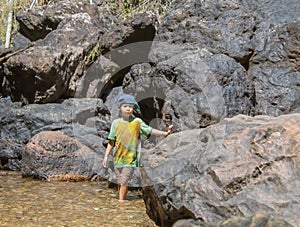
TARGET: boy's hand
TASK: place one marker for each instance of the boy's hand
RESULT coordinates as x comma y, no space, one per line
105,164
108,150
169,130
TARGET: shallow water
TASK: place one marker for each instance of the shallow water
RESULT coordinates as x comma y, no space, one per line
28,202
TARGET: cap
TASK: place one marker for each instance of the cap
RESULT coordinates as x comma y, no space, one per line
128,99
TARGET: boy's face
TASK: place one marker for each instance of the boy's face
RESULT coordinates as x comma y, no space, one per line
126,110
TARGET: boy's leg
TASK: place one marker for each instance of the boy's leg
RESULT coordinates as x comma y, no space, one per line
123,192
123,176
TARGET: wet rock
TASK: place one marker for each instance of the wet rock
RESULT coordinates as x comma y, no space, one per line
237,167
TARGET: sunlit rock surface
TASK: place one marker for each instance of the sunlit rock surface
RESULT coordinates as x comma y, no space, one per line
238,167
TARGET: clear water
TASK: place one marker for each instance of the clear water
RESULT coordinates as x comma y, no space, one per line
28,202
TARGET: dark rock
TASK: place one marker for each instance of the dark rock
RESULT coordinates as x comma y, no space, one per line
10,157
71,35
20,42
262,37
38,22
44,71
220,27
234,168
195,88
275,68
122,49
12,135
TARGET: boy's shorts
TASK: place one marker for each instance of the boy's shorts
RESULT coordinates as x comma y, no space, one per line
124,175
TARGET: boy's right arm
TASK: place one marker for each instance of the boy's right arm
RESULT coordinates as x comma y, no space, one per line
109,148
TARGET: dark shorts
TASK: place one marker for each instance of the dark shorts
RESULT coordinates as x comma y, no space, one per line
124,175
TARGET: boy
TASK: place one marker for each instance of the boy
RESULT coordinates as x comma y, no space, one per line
125,136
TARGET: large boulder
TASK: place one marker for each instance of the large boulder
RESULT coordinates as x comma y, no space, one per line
195,88
215,59
275,62
54,156
121,51
68,37
237,167
275,67
225,27
42,73
86,120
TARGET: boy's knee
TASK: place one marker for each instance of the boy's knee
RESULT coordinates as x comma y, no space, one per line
124,175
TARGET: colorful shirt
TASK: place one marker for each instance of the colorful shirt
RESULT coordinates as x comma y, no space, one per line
126,135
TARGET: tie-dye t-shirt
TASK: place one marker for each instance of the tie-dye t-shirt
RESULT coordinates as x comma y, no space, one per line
126,135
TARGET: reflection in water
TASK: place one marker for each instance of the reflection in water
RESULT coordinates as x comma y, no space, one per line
27,202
